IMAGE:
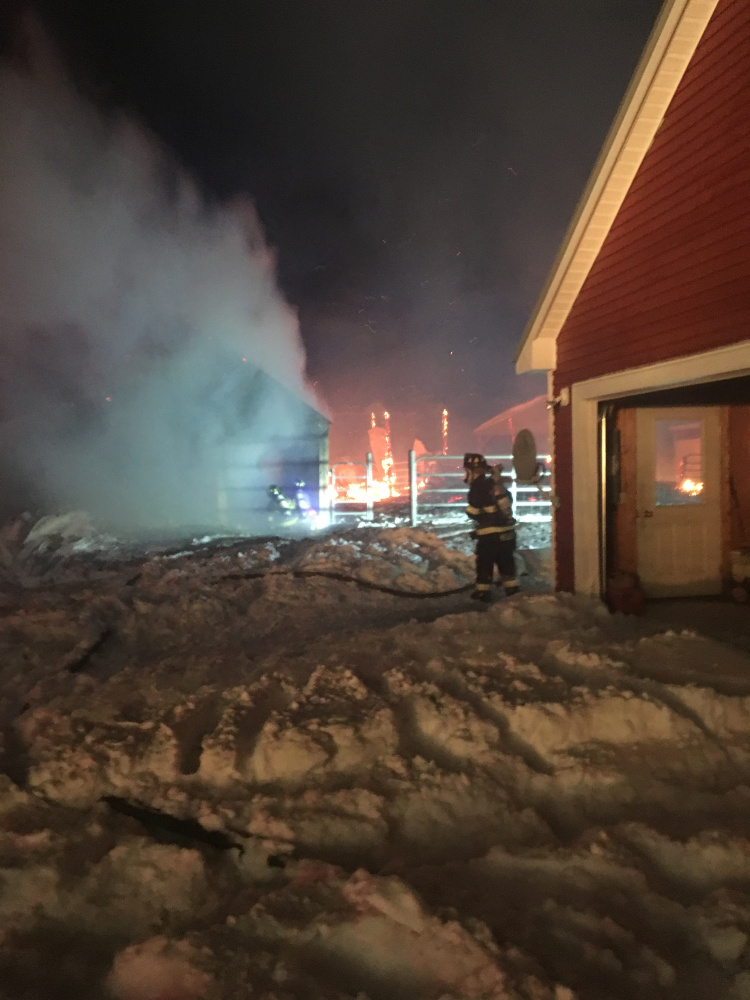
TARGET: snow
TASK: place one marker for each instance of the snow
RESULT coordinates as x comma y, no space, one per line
282,769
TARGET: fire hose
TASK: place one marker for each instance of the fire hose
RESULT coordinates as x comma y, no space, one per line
344,578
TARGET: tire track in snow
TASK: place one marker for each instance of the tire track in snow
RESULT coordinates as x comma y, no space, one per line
601,679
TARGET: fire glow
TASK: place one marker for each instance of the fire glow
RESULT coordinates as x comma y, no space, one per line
389,475
690,487
353,488
357,492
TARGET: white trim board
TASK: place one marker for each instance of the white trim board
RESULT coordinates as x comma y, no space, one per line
709,366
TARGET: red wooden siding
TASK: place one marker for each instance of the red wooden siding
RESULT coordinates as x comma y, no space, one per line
739,470
673,275
564,578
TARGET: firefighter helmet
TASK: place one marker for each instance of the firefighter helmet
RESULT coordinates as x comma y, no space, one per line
474,462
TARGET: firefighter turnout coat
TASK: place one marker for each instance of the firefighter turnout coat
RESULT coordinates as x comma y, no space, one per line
490,508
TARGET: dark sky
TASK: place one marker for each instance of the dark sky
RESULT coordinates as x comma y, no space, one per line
415,162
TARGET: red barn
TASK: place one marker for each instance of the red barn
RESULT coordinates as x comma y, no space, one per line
644,324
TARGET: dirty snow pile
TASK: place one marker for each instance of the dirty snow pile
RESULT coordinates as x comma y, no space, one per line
34,550
534,534
410,560
64,548
221,785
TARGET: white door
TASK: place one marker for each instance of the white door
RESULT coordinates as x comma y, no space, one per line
677,509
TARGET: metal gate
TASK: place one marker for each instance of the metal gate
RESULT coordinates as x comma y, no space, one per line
437,488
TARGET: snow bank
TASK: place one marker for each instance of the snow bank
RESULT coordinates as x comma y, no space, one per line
69,547
32,552
157,969
406,559
260,785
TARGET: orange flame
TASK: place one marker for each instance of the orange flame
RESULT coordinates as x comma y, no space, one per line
388,472
691,487
356,492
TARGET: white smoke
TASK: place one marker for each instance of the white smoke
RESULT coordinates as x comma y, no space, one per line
127,306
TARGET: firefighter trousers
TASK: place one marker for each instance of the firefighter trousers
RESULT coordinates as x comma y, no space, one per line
493,550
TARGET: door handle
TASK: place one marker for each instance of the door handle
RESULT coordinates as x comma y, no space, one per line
648,513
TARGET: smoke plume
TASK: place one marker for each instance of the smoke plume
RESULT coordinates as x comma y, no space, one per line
133,313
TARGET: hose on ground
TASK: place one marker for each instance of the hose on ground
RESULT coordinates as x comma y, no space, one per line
344,578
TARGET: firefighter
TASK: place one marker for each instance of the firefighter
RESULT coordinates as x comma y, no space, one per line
491,510
282,509
278,501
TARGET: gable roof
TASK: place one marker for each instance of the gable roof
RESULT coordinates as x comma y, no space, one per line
673,41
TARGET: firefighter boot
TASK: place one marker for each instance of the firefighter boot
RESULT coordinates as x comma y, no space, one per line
481,595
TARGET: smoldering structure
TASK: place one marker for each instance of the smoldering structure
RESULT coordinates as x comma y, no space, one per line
150,372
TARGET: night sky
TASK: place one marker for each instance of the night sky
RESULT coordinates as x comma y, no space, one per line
415,162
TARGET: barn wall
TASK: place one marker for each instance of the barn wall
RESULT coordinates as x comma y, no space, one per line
673,275
739,477
563,487
626,541
293,447
725,489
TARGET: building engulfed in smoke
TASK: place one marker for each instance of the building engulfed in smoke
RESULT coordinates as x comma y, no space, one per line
142,334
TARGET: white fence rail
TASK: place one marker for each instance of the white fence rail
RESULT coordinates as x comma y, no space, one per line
436,482
436,489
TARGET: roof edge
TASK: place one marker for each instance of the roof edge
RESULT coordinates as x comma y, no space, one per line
669,49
